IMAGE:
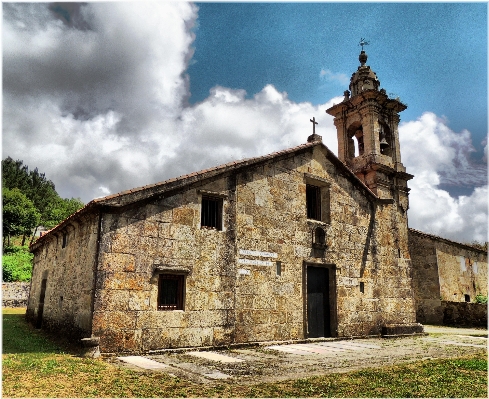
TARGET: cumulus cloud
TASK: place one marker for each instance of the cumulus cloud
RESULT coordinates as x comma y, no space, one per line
339,78
436,155
96,97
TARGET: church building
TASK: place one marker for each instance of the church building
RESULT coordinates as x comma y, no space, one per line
296,244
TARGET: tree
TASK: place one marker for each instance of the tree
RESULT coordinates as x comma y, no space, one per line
15,175
61,209
20,215
52,209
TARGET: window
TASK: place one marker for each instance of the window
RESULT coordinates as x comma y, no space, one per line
171,291
313,200
467,298
211,213
319,236
279,268
65,240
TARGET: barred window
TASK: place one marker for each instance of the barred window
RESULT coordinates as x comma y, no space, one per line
171,289
211,213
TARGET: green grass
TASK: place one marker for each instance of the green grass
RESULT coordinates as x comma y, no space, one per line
34,366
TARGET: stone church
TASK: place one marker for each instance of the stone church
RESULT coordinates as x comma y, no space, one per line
296,244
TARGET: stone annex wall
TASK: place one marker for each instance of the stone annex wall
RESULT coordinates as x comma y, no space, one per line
233,294
443,272
15,295
69,274
464,314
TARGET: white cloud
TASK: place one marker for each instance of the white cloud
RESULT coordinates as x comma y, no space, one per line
100,107
339,78
435,155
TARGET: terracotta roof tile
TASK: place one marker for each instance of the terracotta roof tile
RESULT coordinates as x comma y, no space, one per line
223,167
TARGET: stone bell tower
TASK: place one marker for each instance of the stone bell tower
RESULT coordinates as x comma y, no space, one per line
368,139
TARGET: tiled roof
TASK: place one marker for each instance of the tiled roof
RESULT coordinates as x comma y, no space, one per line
451,242
138,193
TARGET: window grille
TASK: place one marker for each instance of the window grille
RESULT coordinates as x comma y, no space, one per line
170,292
211,213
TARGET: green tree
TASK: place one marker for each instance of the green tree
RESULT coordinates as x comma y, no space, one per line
61,209
15,175
20,215
40,191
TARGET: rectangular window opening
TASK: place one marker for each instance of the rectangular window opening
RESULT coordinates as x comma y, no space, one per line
362,287
211,213
171,292
65,240
467,298
279,268
313,200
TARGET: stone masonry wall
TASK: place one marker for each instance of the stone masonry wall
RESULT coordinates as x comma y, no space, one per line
464,314
443,272
15,295
165,234
69,274
233,291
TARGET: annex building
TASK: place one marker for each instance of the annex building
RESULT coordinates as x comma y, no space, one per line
291,245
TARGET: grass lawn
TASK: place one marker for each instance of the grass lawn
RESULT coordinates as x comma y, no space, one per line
34,366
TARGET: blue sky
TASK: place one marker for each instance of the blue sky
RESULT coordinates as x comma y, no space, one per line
107,96
432,55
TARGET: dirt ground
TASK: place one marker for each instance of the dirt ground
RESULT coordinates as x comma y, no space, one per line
272,362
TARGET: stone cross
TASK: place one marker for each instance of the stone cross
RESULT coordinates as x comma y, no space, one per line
314,123
363,42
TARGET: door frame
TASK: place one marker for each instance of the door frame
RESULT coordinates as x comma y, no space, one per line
333,321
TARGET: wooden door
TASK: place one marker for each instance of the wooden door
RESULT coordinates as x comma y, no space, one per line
318,313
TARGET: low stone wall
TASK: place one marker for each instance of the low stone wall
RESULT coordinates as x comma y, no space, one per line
15,295
460,314
464,314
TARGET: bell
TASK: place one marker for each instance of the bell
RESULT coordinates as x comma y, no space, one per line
384,144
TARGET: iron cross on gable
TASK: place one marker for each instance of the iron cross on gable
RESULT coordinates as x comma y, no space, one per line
314,123
363,42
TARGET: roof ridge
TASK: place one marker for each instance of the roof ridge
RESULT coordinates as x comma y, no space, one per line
445,239
210,169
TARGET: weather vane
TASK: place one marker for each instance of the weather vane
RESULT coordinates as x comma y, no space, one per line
363,42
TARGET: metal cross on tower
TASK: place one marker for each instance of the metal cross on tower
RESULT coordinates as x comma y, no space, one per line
314,123
363,42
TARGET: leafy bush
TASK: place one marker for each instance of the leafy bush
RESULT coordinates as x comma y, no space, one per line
479,298
16,264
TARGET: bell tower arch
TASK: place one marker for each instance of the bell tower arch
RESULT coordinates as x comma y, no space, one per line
367,123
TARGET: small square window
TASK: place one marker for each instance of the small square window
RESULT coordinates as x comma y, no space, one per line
171,289
313,200
211,213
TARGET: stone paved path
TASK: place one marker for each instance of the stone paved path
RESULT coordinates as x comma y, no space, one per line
323,347
269,363
143,362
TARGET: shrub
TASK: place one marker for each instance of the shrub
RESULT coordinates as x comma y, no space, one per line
16,264
479,298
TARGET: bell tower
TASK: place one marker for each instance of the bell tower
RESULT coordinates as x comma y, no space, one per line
368,139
